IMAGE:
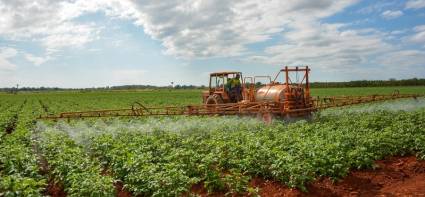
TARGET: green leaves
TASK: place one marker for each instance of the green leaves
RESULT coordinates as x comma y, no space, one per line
15,185
167,156
18,164
224,158
70,165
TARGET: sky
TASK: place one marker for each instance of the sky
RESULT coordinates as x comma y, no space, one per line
96,43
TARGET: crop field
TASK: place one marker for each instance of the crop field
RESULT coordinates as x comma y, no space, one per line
185,156
361,91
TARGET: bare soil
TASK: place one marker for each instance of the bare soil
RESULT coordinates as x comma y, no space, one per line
394,176
120,190
200,190
55,189
11,126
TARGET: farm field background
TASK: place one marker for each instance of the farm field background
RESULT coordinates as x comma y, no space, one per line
178,155
77,100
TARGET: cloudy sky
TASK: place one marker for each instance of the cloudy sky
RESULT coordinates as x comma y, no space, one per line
88,43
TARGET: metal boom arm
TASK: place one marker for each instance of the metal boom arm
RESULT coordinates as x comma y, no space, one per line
248,108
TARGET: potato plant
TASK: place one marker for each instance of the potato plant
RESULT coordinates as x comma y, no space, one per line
19,170
167,156
72,167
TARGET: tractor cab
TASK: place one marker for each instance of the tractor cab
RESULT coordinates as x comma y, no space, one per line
224,87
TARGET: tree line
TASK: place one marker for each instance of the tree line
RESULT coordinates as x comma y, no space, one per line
370,83
360,83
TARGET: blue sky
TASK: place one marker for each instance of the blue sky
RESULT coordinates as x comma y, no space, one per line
78,43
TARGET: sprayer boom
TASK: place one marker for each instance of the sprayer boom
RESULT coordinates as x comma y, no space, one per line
263,109
288,95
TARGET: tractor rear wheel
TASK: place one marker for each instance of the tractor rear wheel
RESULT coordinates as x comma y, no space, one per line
214,100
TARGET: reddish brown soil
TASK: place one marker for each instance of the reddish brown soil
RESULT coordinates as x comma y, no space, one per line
120,190
273,188
395,176
201,191
55,190
11,126
198,189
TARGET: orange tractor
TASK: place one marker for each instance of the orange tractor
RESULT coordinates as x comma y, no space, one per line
221,90
287,95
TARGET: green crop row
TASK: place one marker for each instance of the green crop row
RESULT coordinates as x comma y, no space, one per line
72,167
19,169
77,101
67,163
165,157
8,116
363,91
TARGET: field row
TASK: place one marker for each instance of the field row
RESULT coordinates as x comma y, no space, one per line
55,102
168,156
19,167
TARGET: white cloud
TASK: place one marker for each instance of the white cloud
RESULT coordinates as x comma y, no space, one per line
36,60
47,21
391,14
67,34
196,29
216,28
377,7
415,4
402,64
356,54
188,29
8,52
398,32
50,23
418,37
403,59
327,46
6,65
127,76
5,55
